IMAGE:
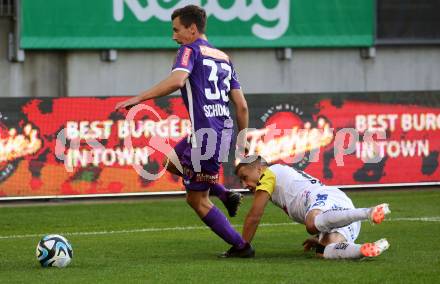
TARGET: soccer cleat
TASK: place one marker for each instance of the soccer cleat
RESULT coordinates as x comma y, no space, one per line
374,249
246,252
232,202
377,213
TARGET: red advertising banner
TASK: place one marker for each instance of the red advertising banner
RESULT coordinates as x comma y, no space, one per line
353,142
75,146
81,146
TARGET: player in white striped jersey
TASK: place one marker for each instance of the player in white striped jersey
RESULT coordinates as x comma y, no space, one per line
327,212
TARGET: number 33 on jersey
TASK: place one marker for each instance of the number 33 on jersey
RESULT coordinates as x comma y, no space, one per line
211,78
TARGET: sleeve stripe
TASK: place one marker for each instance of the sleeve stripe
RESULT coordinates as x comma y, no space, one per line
180,69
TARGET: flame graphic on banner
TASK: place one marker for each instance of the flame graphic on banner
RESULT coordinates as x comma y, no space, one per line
276,144
15,145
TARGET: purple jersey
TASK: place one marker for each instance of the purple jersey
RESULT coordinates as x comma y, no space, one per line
206,92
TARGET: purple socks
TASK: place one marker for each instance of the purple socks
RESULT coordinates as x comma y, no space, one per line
220,191
218,222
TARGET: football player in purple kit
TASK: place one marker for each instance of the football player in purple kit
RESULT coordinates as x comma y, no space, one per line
207,81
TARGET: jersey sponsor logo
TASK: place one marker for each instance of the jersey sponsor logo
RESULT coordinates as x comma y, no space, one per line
320,200
185,57
318,204
214,53
216,110
321,197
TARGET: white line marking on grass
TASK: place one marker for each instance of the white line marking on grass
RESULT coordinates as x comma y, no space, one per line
133,231
421,219
418,219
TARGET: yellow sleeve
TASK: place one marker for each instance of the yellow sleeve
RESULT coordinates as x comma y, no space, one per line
267,182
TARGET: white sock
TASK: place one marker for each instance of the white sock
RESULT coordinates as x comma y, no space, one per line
331,219
342,250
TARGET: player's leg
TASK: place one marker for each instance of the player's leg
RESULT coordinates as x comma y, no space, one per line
339,249
337,218
199,202
335,210
217,221
220,155
230,199
335,246
213,217
180,155
220,191
170,167
182,152
318,221
339,244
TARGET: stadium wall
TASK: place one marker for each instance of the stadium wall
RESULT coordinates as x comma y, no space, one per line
83,73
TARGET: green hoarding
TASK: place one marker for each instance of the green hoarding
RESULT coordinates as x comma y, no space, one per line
70,24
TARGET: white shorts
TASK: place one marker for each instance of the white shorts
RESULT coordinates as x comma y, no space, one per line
332,198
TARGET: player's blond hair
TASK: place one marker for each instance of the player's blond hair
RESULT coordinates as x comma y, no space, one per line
251,160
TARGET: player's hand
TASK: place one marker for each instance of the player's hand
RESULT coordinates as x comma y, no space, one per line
127,104
310,243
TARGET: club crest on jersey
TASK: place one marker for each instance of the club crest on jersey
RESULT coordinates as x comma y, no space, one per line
185,57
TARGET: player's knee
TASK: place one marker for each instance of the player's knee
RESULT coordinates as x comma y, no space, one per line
311,229
199,204
193,202
310,222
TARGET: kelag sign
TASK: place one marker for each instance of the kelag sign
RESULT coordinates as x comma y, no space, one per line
78,146
231,23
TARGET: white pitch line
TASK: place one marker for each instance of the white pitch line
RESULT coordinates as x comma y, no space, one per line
133,231
422,219
143,230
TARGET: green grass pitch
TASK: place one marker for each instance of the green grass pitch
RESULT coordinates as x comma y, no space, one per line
162,240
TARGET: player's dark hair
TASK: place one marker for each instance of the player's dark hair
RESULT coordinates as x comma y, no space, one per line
191,14
251,160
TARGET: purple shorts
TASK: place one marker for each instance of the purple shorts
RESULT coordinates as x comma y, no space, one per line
210,166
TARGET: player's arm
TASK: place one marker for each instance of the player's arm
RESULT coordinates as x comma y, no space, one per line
241,108
310,243
173,82
263,191
241,113
253,218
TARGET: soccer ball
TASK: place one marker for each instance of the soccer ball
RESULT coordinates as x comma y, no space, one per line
54,250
